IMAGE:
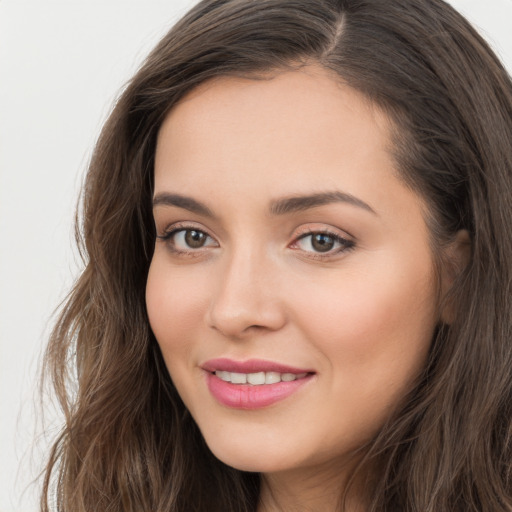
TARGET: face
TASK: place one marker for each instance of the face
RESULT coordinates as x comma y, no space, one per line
292,287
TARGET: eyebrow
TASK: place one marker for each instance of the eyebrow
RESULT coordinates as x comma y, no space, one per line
185,202
278,207
301,203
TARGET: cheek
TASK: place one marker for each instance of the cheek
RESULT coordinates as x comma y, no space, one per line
175,307
376,324
374,338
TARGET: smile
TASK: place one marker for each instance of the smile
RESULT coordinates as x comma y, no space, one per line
259,378
253,384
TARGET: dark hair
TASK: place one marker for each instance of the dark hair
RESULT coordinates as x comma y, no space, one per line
128,443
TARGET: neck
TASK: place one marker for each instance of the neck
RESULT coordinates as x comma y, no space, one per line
311,490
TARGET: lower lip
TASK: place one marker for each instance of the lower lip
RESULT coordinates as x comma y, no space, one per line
247,396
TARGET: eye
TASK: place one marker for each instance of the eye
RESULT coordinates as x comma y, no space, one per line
322,243
188,239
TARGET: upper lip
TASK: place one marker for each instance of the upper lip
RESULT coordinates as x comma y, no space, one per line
250,366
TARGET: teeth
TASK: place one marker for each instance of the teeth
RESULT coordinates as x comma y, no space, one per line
239,378
224,376
259,378
256,378
272,377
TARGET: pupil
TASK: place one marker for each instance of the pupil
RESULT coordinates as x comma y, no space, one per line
322,243
195,239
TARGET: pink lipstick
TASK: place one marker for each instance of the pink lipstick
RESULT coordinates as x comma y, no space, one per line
253,384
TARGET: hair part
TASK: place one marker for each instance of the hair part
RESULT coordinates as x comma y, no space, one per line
128,443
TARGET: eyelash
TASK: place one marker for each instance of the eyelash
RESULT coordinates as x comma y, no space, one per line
345,244
169,233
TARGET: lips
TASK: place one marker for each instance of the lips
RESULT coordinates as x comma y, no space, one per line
250,366
253,384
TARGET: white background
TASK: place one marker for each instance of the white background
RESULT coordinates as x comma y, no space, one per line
61,65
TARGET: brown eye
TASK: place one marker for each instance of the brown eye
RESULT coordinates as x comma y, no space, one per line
187,240
322,242
195,239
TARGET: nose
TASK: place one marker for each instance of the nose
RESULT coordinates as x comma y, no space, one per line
246,298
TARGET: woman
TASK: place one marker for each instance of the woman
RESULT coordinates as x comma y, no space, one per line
297,287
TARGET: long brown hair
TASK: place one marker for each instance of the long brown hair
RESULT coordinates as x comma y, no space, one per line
128,443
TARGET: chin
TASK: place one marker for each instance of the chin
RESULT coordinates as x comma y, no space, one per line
244,455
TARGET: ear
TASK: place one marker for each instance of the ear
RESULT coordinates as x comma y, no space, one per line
456,257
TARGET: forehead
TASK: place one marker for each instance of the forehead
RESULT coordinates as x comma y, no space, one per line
286,125
311,95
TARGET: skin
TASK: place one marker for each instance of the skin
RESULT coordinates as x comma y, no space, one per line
361,315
